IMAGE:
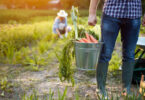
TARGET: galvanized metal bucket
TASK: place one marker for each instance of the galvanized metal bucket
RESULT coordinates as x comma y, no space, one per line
87,55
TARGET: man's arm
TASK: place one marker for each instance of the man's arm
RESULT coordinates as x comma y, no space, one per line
92,20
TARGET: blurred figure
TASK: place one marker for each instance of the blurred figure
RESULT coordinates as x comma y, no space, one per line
60,26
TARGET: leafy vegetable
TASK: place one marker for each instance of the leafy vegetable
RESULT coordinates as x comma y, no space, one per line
65,63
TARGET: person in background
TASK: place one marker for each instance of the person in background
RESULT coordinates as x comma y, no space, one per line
123,16
60,26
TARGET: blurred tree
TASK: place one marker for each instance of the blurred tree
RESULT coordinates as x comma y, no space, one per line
25,3
83,4
42,4
67,4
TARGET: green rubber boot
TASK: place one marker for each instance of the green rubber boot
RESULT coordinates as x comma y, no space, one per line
101,74
127,73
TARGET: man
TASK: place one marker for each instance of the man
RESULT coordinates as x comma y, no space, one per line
60,24
118,15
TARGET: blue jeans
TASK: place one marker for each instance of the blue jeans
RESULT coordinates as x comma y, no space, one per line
110,28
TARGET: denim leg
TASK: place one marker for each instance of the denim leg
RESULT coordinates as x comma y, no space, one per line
129,36
109,31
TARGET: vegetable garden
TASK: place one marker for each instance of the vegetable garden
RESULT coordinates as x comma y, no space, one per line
36,65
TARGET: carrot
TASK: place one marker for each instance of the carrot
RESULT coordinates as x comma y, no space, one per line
81,40
87,36
85,40
93,39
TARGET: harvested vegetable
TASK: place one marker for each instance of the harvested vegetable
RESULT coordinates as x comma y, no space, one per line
86,41
87,36
93,39
65,63
81,40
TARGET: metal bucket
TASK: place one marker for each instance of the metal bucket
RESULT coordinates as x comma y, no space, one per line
87,55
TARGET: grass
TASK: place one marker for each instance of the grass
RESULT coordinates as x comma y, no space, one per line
11,16
23,16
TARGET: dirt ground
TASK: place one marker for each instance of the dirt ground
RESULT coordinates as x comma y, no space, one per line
25,81
43,81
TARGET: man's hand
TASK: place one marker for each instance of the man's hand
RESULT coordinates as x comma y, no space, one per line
143,21
92,20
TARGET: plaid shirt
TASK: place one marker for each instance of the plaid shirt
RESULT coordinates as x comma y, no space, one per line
123,8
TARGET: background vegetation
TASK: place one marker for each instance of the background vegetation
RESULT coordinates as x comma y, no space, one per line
27,41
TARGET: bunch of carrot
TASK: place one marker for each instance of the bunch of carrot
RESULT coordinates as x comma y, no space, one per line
88,39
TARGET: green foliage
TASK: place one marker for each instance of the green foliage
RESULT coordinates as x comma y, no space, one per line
115,62
7,50
12,40
51,95
62,96
33,96
35,61
65,63
5,86
43,46
132,96
83,30
21,55
4,83
76,96
15,16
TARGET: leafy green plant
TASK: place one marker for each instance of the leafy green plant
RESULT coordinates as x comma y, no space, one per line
5,86
21,55
8,50
35,61
51,95
76,96
44,46
62,96
33,96
65,63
